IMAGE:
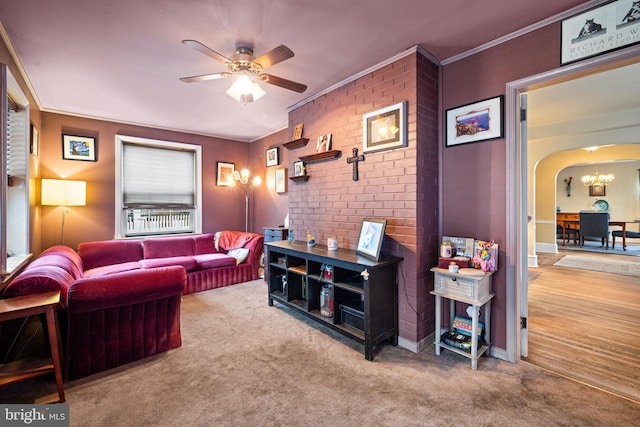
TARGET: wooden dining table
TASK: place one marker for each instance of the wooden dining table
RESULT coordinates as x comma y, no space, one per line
623,224
572,221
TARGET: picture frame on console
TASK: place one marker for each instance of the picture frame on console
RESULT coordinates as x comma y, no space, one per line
479,121
371,236
385,129
224,177
81,148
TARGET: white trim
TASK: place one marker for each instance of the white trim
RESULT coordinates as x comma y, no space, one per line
371,69
16,59
268,134
516,265
549,248
498,353
523,31
416,347
158,143
532,261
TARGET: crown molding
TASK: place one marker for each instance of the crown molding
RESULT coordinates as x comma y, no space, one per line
525,30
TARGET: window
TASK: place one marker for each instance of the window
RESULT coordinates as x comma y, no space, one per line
158,187
14,193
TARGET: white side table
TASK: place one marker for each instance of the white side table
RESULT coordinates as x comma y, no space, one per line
472,290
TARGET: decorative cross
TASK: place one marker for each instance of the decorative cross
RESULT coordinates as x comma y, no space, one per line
355,159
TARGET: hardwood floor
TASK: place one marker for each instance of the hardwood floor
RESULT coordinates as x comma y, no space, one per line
586,324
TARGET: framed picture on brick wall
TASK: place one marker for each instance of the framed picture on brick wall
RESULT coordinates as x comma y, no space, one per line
385,129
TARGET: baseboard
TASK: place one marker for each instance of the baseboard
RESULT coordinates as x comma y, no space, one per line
532,261
498,353
551,248
416,347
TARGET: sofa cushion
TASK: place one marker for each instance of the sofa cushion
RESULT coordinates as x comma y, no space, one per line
166,247
240,254
203,244
207,261
110,269
108,252
188,262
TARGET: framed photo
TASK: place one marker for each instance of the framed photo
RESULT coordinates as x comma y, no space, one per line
78,148
597,190
297,132
298,168
272,157
224,176
281,180
480,121
371,235
599,30
324,143
35,141
385,129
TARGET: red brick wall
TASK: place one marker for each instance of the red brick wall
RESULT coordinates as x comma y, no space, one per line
390,182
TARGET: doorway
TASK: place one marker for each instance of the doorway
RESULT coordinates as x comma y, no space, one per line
518,228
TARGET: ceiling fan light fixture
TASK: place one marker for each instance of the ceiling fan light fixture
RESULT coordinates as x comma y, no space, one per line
244,89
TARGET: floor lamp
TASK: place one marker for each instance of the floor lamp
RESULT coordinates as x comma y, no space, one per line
241,179
62,192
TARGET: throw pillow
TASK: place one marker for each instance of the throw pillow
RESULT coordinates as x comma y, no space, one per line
216,239
240,254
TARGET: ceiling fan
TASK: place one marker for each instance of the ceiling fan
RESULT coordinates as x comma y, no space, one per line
248,68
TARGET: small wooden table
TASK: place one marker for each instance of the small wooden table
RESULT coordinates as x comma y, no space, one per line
20,370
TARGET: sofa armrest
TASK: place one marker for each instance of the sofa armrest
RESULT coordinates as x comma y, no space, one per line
126,288
255,246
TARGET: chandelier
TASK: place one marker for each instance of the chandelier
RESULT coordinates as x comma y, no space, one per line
597,179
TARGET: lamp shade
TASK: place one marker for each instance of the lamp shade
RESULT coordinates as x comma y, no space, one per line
61,192
245,90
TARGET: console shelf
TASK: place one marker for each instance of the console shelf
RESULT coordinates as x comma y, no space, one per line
375,321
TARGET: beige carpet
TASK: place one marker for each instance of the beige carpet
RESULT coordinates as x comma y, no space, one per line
615,266
244,363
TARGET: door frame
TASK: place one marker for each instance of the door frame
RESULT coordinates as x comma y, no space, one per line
516,189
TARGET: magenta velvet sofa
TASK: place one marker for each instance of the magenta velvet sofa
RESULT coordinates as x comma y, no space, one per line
121,298
204,257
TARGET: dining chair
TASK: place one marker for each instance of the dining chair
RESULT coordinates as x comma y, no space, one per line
594,225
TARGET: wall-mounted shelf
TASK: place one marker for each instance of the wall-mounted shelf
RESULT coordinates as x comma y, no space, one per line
319,157
299,178
296,143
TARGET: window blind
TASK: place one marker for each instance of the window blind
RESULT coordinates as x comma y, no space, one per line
158,177
16,144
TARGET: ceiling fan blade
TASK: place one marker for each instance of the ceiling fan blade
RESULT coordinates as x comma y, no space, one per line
274,56
287,84
204,49
204,77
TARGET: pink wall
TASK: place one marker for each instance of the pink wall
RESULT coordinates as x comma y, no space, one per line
223,207
399,185
474,175
270,208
